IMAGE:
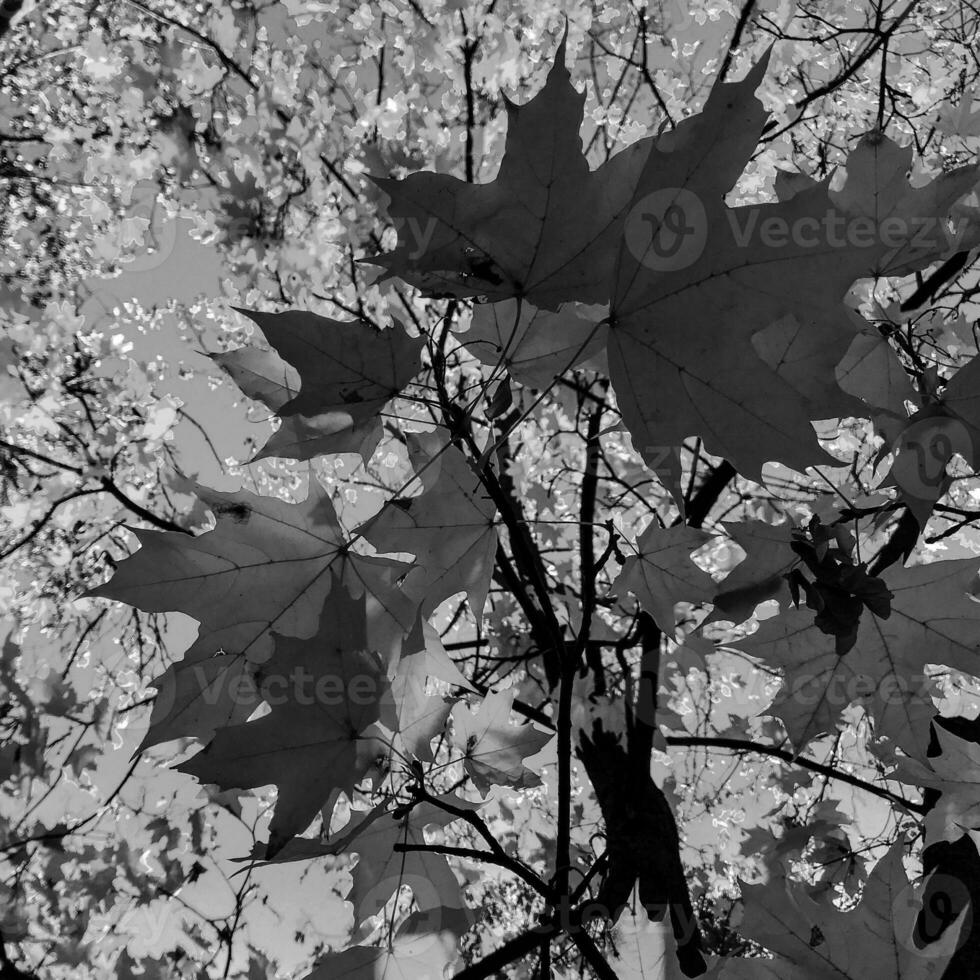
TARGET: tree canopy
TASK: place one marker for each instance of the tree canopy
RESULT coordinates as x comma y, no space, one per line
489,490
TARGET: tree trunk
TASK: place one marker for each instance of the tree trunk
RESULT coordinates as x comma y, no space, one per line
641,844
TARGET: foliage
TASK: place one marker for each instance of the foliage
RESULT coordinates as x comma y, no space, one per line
591,604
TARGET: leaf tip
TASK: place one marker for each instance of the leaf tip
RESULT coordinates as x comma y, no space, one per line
562,44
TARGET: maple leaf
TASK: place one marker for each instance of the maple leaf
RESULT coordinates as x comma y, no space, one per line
449,527
955,772
494,751
933,619
878,195
262,566
682,317
411,713
760,576
662,574
381,870
195,697
871,370
535,345
544,229
962,119
324,693
267,565
872,942
414,715
261,374
408,956
348,372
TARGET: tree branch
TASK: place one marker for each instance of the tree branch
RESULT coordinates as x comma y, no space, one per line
488,857
830,772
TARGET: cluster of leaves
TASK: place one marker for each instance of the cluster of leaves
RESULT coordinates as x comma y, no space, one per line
841,589
281,591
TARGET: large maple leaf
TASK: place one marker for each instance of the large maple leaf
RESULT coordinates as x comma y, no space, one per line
933,619
267,565
545,229
726,323
324,693
348,371
683,323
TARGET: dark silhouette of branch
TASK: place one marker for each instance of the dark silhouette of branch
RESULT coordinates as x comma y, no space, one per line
227,62
592,956
927,288
570,922
488,857
707,494
740,25
160,522
737,745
